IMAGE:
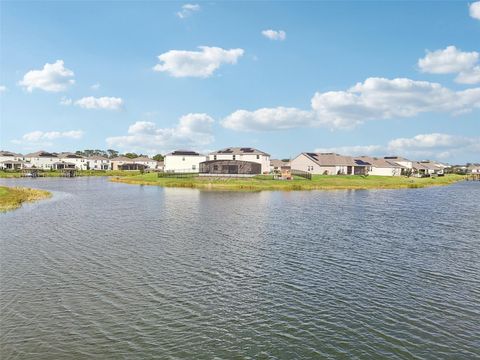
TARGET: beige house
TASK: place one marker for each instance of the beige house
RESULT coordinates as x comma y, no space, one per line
243,154
277,165
382,167
329,164
116,163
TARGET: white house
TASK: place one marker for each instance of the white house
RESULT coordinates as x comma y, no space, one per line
41,160
79,161
243,154
329,164
96,162
11,161
382,167
183,161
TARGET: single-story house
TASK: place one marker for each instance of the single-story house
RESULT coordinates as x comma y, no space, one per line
147,162
131,166
243,154
329,164
473,169
230,168
382,167
277,165
12,164
119,160
183,161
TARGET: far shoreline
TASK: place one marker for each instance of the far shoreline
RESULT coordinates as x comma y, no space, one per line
266,183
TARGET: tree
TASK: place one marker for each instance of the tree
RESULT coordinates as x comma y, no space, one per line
131,155
158,157
112,153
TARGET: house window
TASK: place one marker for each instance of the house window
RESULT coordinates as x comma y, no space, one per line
183,159
215,167
233,157
258,157
194,167
214,157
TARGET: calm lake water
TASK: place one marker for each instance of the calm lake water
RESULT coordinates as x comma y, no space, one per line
116,271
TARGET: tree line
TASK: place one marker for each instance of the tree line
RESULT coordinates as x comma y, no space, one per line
110,154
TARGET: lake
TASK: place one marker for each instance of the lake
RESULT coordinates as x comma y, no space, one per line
116,271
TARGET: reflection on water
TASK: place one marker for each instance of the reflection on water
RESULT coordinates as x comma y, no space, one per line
107,270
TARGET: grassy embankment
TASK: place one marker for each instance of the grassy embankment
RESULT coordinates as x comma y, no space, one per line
47,173
318,182
13,197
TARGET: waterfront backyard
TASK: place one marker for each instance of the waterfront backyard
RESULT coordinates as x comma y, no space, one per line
267,182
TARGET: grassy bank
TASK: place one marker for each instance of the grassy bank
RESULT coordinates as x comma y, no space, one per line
48,173
318,182
12,198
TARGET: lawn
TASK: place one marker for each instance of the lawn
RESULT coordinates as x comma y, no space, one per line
48,173
318,182
13,197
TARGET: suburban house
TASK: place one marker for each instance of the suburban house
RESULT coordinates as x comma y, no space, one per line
382,167
115,163
96,162
237,168
61,165
11,161
78,161
243,154
160,166
183,161
329,164
434,168
40,160
473,169
277,165
145,161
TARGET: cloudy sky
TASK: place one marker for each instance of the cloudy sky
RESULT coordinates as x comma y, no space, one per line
357,78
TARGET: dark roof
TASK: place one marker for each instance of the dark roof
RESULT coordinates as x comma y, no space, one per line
183,153
240,151
41,153
332,159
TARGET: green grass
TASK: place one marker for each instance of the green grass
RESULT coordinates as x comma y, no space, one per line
12,197
48,173
264,182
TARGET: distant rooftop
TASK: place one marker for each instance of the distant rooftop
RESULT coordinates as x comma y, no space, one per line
183,153
239,151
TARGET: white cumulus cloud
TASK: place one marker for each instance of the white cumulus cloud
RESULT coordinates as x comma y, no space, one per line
104,102
45,138
447,61
193,130
203,63
475,10
274,34
53,77
353,150
187,10
374,99
3,88
452,61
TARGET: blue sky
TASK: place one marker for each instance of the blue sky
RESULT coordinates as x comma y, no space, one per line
353,77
